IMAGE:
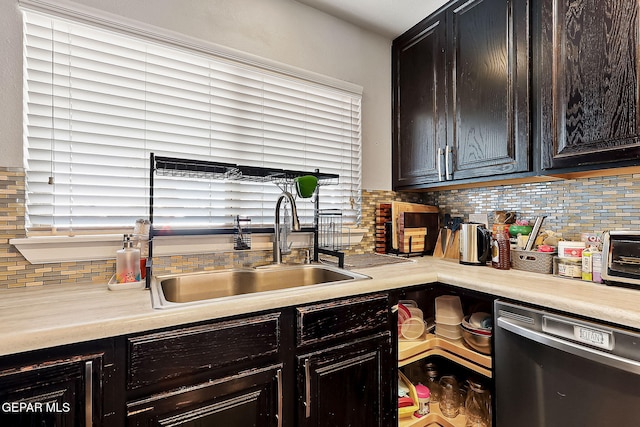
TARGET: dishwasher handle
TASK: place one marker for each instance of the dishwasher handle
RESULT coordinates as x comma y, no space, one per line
570,347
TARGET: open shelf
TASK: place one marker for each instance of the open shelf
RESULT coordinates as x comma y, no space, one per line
434,417
454,350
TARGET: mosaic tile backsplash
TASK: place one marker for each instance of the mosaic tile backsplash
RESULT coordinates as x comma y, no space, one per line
571,206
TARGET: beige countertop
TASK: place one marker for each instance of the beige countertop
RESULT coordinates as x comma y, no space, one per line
35,318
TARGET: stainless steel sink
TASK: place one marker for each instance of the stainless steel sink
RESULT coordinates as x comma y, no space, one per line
196,288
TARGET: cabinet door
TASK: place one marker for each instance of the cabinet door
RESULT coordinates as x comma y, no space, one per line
64,392
588,82
419,126
488,59
348,385
246,399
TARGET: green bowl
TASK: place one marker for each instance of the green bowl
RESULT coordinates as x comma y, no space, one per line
524,230
306,185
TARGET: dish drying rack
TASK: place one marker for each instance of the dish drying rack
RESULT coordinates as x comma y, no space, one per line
203,169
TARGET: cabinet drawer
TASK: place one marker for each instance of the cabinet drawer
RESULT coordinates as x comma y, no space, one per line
327,321
250,398
194,350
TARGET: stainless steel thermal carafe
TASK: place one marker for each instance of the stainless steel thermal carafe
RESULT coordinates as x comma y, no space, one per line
475,244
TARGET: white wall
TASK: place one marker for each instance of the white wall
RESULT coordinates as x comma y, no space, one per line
280,30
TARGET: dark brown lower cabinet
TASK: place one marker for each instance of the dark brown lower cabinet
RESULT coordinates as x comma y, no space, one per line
347,385
248,399
323,364
53,388
330,363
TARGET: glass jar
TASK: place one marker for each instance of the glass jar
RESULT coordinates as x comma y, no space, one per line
432,381
478,406
449,396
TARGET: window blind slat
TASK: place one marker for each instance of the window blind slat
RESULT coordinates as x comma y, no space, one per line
97,103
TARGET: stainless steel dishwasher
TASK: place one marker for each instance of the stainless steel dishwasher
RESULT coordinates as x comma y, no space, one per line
551,370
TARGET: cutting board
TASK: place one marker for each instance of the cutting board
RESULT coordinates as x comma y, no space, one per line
399,207
411,239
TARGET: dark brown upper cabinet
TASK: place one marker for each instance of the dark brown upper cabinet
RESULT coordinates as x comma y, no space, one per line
461,94
587,78
419,103
488,116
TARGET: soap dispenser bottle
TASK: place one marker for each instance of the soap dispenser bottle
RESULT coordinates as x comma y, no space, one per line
128,262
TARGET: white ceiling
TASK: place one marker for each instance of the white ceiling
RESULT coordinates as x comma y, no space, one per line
389,18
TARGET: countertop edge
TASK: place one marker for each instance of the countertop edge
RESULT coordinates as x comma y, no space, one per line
35,319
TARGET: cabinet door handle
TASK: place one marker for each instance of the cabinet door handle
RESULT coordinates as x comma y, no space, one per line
88,393
440,154
447,172
307,387
279,386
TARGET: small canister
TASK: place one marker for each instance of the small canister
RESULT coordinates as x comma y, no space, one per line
568,249
567,267
424,399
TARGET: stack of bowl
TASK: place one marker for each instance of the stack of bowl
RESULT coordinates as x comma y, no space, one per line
477,329
449,317
410,320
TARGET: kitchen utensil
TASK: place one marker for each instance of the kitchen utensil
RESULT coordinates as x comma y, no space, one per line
476,328
427,221
412,328
403,315
504,217
452,332
449,310
479,342
515,229
306,185
534,233
481,320
475,244
468,327
425,216
415,312
411,240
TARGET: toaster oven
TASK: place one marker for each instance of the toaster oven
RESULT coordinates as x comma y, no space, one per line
621,258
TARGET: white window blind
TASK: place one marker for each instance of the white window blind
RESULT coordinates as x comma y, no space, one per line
98,102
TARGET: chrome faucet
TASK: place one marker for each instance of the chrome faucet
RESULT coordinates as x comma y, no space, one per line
295,225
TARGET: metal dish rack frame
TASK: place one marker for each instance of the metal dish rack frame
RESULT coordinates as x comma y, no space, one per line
203,169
